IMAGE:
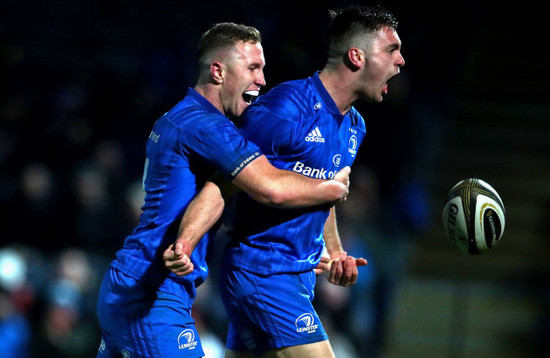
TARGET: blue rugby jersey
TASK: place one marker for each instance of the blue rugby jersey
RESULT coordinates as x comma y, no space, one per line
184,148
298,127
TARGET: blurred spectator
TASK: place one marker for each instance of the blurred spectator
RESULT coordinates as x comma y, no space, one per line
212,345
372,226
67,325
15,331
36,209
342,345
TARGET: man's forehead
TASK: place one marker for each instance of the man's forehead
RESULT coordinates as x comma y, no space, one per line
253,47
385,32
389,34
384,37
252,51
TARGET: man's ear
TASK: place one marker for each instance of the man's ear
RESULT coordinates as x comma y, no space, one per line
356,58
216,71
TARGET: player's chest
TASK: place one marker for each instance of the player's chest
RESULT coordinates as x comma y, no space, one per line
327,145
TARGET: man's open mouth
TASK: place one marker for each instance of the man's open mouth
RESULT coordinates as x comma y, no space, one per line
250,96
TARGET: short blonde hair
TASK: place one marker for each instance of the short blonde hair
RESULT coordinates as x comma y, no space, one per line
223,35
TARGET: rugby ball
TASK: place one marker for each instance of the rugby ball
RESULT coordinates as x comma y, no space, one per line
474,216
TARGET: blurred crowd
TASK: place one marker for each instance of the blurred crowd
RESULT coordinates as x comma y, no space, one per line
82,86
48,290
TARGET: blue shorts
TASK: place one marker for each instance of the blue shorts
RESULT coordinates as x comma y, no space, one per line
269,312
139,323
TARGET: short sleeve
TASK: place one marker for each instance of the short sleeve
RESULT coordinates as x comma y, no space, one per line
221,145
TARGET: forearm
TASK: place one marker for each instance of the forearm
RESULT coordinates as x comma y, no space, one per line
296,190
292,190
342,268
331,236
200,216
281,188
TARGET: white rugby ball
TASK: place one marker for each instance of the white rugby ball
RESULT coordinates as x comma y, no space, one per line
474,216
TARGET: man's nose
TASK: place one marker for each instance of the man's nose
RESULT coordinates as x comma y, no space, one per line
260,81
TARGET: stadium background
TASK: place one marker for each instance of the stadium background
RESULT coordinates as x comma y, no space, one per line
83,82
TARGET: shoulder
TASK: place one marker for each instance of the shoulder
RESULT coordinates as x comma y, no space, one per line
288,99
357,119
189,114
286,102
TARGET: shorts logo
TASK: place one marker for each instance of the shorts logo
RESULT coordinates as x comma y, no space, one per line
305,323
102,346
125,353
186,339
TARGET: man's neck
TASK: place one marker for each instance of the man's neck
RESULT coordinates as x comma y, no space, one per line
339,86
210,92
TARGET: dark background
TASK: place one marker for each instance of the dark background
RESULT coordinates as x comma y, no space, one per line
82,83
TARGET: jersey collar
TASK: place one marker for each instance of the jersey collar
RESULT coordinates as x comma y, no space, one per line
197,97
325,96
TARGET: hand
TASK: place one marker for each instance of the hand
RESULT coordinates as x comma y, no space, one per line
342,269
176,261
343,177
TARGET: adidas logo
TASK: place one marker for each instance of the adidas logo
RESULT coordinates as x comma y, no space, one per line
315,136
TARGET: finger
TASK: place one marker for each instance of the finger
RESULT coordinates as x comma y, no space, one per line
343,175
361,262
331,271
181,269
354,272
174,266
344,172
179,249
177,263
322,267
168,254
190,268
336,271
180,265
347,267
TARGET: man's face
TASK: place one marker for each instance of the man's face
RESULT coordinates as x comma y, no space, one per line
243,77
383,62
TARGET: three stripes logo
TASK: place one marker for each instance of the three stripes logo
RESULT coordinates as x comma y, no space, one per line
315,136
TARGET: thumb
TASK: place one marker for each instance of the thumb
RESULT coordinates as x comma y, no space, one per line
178,249
343,175
344,172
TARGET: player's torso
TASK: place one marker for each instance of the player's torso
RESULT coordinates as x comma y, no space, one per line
297,130
324,144
172,177
172,174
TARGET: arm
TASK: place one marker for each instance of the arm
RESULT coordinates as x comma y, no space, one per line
263,182
201,214
283,188
342,269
